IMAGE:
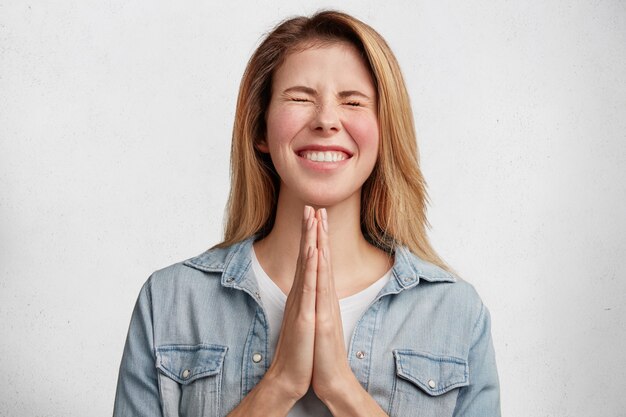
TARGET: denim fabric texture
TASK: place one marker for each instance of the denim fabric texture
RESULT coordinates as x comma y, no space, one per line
198,342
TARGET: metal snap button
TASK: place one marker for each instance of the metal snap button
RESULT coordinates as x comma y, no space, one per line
360,354
256,358
186,373
230,279
432,384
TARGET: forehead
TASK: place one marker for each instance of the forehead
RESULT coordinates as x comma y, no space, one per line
320,59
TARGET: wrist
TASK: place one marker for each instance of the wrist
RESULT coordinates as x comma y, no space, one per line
351,399
279,388
342,389
267,398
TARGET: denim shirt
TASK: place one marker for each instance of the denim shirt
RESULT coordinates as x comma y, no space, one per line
198,341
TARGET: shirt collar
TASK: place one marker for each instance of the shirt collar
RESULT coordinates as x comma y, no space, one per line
409,269
233,262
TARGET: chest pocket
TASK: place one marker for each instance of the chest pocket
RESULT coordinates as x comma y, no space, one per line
426,384
190,379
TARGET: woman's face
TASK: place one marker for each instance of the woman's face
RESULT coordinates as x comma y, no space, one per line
322,128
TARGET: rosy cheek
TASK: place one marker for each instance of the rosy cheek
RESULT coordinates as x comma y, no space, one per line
364,130
283,124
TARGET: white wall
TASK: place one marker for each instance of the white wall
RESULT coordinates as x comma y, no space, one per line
115,121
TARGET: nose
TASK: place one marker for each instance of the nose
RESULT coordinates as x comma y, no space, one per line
326,119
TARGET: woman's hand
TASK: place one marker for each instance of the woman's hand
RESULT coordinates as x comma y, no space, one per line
330,364
292,366
310,349
333,381
289,376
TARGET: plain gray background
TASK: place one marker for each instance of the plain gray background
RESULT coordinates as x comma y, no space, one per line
115,121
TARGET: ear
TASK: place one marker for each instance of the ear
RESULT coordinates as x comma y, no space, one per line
261,145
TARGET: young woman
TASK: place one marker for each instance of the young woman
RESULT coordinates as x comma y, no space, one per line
325,296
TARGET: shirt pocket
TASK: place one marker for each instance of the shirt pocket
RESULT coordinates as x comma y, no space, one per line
426,384
190,379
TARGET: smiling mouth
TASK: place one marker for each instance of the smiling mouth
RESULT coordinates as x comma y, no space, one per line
324,156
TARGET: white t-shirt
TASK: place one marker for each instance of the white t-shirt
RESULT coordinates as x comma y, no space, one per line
352,308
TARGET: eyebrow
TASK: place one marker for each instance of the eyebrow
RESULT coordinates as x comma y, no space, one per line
311,91
351,93
300,89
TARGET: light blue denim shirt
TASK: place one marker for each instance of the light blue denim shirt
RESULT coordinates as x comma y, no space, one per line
198,342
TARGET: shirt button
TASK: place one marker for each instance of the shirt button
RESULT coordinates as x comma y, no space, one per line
256,358
432,384
230,279
360,354
186,373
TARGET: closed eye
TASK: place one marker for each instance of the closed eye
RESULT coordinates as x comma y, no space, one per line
299,99
353,103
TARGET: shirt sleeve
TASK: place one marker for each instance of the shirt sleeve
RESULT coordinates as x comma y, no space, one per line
481,398
137,386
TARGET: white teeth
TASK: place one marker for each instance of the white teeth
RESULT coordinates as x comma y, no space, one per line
329,156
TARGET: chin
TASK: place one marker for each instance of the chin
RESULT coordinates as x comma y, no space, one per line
326,198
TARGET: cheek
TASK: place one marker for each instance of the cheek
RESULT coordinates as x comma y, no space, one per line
364,130
282,125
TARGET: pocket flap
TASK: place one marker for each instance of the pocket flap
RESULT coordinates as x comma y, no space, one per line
184,364
433,374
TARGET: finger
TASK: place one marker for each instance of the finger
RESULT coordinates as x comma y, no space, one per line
304,284
324,290
303,251
309,274
307,219
308,289
310,233
323,240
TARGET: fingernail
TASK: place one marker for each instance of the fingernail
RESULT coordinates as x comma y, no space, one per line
310,223
325,220
309,252
306,212
325,253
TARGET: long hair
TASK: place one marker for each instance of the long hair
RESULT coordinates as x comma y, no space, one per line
393,198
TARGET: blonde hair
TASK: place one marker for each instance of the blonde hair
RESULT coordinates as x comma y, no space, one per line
393,198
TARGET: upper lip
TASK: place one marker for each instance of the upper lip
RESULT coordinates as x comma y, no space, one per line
323,148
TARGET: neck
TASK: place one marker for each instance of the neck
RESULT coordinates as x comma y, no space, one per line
278,251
